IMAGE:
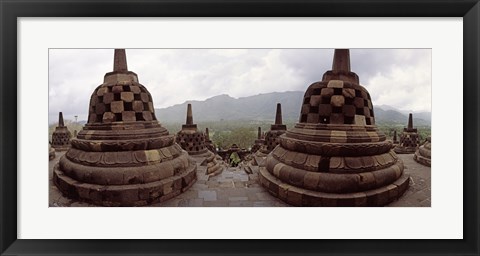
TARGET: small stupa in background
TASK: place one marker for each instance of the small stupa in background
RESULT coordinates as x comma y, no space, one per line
190,138
61,136
258,142
208,142
194,142
409,139
395,140
271,137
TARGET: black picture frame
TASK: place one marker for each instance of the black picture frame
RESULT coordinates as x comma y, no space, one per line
10,10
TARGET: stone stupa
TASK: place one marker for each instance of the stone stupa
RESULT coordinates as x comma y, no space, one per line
395,141
271,137
423,154
193,141
61,136
335,155
259,142
209,143
409,139
190,138
123,156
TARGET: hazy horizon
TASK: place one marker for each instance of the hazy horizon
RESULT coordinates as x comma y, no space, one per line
54,118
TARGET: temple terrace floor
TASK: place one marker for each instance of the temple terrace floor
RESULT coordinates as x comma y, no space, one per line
235,188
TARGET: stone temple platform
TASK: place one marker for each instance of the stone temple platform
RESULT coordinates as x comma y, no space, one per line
235,188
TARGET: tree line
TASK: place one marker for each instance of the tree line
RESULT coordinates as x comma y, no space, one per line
244,133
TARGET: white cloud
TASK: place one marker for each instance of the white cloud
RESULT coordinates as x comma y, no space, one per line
405,84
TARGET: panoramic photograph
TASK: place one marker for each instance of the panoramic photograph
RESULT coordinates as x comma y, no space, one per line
240,127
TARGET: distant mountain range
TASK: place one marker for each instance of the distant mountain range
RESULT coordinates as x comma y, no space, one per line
262,108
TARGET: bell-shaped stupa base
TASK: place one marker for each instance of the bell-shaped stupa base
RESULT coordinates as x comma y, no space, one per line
304,172
271,141
405,150
61,139
193,142
139,177
423,154
298,196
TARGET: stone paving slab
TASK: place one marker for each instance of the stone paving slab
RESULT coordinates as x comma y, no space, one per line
419,192
235,188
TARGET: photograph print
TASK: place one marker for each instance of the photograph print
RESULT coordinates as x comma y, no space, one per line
240,127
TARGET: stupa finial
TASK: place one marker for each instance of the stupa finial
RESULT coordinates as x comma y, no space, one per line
189,114
341,69
341,60
410,122
207,135
259,135
60,120
120,61
278,115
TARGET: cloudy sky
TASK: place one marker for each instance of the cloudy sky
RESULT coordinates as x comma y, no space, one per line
397,77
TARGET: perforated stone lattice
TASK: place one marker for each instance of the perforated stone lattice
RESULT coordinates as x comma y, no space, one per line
191,142
271,140
337,102
115,103
410,140
61,139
